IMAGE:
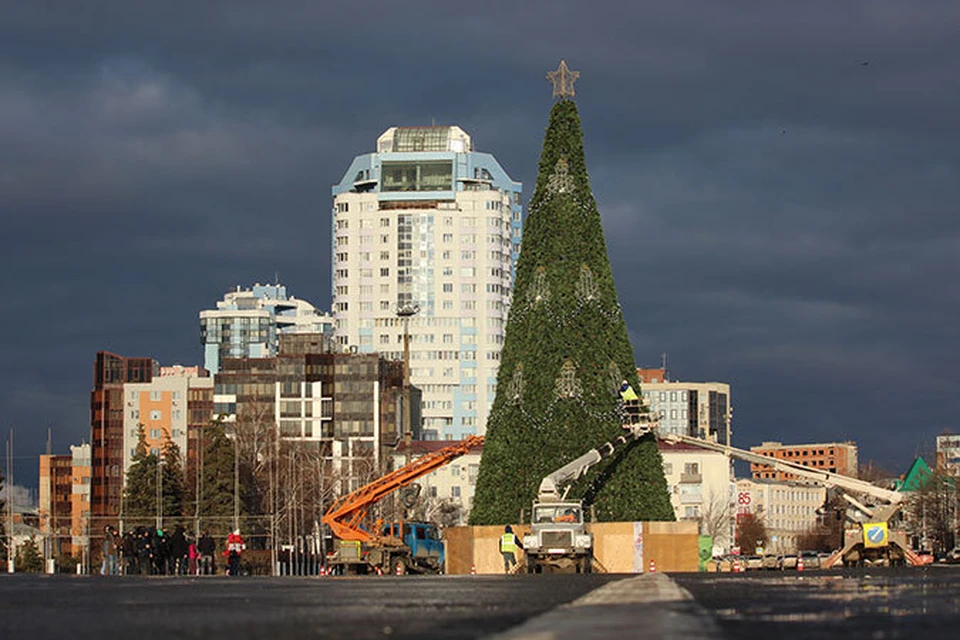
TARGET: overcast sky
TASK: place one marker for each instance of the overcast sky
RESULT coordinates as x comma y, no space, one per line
778,183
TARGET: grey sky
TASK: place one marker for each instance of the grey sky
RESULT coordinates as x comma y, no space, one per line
778,180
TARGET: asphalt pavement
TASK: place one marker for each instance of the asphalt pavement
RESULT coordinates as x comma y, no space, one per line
840,604
38,607
855,604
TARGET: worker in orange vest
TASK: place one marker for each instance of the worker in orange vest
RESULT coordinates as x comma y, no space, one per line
235,547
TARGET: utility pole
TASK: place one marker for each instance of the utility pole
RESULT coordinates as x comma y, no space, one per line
11,552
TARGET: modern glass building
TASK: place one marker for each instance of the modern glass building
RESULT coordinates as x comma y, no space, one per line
246,323
427,224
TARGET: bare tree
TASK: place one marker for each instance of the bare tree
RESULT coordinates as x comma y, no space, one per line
715,518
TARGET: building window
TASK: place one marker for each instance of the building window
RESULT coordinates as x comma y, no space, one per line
155,396
155,414
154,433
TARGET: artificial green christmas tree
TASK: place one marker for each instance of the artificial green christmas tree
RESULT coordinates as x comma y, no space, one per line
565,353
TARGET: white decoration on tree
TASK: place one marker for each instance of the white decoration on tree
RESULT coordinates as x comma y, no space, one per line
515,388
568,385
587,288
538,291
560,180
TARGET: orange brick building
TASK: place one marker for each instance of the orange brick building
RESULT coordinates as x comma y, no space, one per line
835,457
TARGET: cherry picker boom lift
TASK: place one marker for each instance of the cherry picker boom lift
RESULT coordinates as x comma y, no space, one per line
414,546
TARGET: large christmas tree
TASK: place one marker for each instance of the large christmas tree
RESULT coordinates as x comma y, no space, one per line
566,353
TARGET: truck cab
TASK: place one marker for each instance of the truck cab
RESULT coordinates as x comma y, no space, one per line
423,540
558,541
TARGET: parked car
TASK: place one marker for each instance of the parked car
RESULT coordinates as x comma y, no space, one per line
788,561
953,556
771,561
811,559
754,562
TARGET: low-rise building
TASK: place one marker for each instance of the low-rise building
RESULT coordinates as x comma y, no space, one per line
55,507
701,489
948,453
697,409
788,510
835,457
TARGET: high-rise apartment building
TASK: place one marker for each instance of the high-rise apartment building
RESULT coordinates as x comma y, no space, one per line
246,323
427,224
835,457
697,409
107,406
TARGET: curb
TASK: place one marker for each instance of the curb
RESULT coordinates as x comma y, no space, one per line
649,606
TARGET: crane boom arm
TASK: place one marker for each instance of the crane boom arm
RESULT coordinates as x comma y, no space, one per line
823,477
346,514
550,485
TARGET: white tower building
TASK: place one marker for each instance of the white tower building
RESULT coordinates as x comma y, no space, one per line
427,223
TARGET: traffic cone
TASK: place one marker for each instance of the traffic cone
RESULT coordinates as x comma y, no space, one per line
473,569
379,571
799,564
323,571
399,568
653,566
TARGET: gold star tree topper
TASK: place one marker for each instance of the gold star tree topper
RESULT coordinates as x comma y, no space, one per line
563,79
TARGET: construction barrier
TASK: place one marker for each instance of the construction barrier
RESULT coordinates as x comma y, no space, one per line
619,547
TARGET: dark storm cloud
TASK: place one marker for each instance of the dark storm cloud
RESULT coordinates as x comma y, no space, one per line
778,182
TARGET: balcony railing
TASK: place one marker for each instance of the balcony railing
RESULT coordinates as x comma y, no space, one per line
691,478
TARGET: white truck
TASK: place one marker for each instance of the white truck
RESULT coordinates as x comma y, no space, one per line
558,541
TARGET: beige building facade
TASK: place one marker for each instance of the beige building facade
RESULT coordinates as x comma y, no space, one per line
697,409
787,509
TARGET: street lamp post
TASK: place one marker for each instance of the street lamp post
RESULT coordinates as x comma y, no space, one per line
406,312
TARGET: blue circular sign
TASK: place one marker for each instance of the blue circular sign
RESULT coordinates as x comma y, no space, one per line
875,534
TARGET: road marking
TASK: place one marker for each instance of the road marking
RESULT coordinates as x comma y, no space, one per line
648,606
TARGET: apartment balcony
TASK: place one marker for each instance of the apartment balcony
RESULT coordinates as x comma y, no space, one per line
691,478
692,498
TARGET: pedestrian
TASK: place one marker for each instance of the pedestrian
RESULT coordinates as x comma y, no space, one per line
508,547
235,547
207,548
109,566
129,549
193,556
177,560
144,552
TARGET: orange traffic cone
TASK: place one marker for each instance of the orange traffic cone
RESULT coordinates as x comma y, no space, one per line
323,571
473,569
799,564
653,566
379,571
399,568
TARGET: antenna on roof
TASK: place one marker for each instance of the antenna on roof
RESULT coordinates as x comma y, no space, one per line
663,365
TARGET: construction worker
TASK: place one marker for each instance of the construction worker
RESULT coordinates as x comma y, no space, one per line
508,547
631,403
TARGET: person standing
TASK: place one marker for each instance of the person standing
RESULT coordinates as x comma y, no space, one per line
207,548
508,547
109,567
177,560
193,556
235,547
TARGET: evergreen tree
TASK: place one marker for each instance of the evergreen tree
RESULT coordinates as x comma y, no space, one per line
172,479
216,500
140,494
565,354
29,559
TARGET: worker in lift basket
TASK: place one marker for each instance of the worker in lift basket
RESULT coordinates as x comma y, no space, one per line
631,404
508,547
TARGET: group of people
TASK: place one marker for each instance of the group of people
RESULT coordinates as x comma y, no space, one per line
155,552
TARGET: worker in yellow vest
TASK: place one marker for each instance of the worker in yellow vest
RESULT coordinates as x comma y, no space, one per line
508,547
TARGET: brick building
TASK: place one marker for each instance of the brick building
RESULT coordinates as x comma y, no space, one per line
835,457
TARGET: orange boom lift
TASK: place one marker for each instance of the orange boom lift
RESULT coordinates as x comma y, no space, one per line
387,545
